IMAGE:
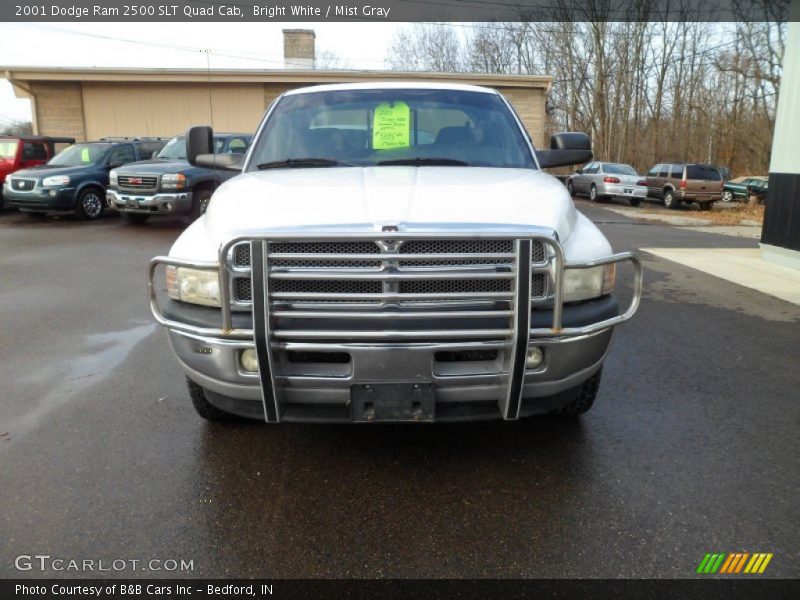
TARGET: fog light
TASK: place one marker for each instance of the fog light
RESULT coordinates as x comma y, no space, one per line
535,357
249,360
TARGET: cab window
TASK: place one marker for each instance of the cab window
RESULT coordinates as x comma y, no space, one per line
122,154
237,145
34,151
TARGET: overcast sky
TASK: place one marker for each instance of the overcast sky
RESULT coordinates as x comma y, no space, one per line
232,45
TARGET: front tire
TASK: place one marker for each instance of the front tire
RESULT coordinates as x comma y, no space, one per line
727,196
593,193
134,218
90,204
584,397
670,201
569,189
200,203
203,407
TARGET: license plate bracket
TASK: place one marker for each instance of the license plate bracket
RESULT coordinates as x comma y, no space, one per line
392,402
133,203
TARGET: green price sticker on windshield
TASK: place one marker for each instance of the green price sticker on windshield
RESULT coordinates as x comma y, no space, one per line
391,126
84,155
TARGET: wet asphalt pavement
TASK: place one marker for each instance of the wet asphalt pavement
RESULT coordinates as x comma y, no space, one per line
692,446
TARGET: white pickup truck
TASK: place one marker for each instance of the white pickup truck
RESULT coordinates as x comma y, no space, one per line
390,252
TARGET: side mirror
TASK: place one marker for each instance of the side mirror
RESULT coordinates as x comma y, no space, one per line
229,162
154,154
116,163
199,140
566,148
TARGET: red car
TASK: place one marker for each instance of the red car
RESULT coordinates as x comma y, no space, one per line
26,151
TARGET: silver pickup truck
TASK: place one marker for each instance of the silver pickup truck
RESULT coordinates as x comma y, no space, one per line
390,253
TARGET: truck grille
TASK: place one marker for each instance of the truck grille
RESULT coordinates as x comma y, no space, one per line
137,182
412,273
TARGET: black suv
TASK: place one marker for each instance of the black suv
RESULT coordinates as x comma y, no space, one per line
75,179
168,184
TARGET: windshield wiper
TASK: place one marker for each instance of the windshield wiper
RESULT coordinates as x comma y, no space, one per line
419,162
299,163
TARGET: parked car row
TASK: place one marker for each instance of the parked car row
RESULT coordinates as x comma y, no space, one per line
138,177
671,183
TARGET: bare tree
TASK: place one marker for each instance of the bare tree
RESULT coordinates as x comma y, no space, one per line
328,60
14,127
428,47
646,90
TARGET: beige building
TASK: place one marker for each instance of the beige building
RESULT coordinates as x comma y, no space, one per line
89,103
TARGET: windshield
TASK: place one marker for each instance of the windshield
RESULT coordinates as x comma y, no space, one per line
176,148
383,127
8,149
80,154
616,169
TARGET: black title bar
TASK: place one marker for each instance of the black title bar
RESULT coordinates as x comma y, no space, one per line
388,589
393,10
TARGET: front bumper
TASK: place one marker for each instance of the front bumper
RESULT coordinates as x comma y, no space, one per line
176,203
40,199
310,360
320,390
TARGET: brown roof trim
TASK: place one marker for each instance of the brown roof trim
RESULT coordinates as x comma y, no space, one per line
264,76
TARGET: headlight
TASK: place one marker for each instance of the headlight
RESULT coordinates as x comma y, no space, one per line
55,180
194,286
584,284
173,181
112,177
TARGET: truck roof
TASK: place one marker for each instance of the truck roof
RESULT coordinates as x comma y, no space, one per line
392,85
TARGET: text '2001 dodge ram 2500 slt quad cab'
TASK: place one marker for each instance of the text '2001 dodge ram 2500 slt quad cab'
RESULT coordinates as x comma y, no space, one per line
391,253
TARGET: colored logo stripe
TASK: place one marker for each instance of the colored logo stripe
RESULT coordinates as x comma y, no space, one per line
711,563
758,563
734,563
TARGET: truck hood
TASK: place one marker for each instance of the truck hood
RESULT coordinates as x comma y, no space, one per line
366,199
46,171
155,166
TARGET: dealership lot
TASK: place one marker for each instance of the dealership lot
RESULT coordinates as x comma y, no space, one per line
688,450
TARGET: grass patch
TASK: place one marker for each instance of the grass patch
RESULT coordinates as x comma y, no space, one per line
717,216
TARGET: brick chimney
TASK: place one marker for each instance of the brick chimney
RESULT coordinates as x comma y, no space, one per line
298,48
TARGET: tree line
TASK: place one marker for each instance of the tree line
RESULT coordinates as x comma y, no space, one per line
645,91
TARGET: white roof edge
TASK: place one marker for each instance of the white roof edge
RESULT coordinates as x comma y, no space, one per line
392,85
